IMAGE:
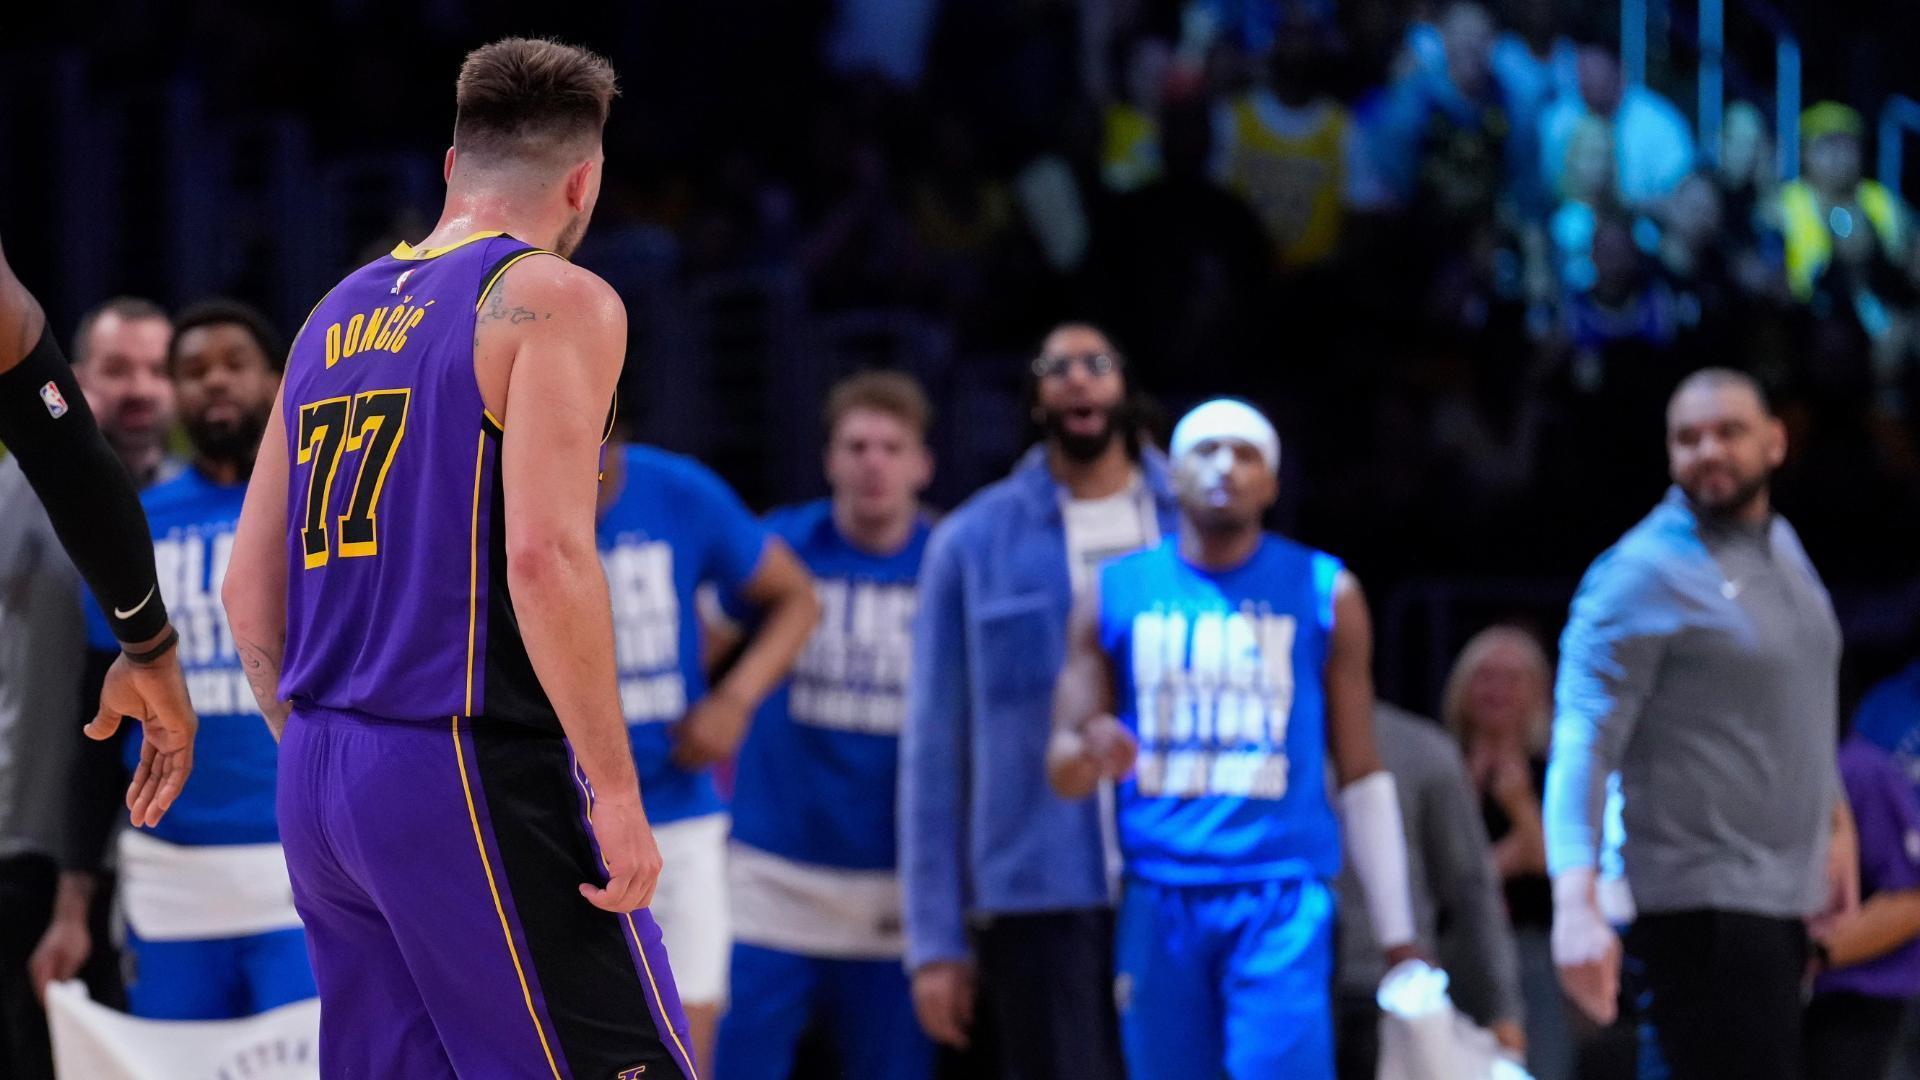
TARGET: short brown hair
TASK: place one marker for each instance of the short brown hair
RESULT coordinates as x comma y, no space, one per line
890,392
530,97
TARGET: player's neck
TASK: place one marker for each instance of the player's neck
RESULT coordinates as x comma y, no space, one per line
880,535
1109,474
1218,548
475,210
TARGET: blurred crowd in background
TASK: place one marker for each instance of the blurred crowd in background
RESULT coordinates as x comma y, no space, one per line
1451,248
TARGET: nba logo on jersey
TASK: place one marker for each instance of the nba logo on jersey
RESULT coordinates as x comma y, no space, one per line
400,281
56,404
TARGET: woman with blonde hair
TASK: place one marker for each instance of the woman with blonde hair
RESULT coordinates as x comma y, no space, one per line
1499,704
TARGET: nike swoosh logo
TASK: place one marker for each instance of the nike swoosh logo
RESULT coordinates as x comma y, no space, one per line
135,609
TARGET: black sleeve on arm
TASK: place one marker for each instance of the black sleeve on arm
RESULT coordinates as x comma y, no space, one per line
95,510
97,784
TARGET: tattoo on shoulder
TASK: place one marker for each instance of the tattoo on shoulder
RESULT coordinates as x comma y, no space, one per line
498,309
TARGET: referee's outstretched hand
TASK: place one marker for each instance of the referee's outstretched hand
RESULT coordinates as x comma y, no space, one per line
155,694
628,849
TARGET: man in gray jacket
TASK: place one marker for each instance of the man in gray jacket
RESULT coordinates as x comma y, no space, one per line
1701,662
1450,873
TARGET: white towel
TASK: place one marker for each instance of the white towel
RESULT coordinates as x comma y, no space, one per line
1423,1037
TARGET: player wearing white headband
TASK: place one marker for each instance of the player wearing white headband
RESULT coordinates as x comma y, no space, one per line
1209,677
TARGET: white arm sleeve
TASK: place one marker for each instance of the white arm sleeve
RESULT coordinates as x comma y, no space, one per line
1377,847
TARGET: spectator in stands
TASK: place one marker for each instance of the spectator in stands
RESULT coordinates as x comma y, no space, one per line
1869,960
1252,26
1130,143
1534,61
1746,169
1850,243
1456,899
1622,326
1587,194
1178,269
1293,152
1499,705
1713,307
1844,233
119,360
1444,136
1617,344
1652,142
1008,902
1748,180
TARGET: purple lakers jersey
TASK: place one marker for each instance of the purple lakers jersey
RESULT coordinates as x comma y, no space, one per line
397,600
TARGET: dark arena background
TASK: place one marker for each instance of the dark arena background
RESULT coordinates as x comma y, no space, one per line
1461,255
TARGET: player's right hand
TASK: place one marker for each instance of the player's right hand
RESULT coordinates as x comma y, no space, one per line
1110,746
154,693
943,994
62,952
1587,953
628,849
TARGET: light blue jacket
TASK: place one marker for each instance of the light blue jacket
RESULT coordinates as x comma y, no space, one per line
981,833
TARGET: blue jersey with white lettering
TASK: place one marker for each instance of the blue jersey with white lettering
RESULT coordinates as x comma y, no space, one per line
819,772
1220,677
229,796
672,527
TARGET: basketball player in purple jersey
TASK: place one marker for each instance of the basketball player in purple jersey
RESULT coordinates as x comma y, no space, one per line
417,595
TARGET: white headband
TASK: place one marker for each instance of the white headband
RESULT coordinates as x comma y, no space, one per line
1226,418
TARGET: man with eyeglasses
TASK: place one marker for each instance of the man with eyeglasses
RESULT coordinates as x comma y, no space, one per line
1008,899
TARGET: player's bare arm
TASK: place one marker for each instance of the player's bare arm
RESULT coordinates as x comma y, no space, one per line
1088,744
782,588
1350,684
561,334
255,589
1369,805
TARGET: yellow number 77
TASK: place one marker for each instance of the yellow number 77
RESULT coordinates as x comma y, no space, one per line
371,422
